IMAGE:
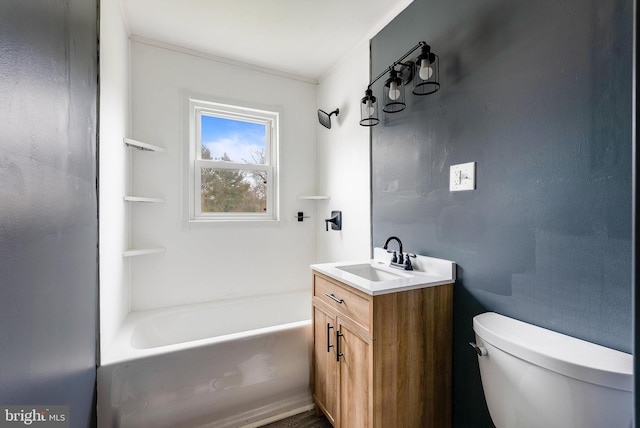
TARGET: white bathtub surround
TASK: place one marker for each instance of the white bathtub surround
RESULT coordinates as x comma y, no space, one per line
222,364
343,161
216,260
113,170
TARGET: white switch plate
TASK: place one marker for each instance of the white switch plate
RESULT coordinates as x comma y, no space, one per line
462,177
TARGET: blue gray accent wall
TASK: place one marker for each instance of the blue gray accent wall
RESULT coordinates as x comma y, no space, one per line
636,225
539,94
48,205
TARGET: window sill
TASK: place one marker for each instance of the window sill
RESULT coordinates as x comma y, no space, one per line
231,221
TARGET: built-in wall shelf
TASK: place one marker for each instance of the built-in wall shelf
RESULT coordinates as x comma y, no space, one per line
143,199
134,252
142,252
130,142
315,198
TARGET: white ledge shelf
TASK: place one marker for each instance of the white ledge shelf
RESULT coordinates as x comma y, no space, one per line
143,199
130,142
315,198
142,252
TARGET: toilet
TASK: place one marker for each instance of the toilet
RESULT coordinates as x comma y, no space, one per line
538,378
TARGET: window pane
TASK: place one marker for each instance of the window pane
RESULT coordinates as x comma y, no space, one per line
233,191
233,140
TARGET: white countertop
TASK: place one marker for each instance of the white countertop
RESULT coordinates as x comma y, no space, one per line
428,272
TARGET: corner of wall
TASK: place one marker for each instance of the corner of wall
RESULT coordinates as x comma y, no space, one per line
114,170
343,160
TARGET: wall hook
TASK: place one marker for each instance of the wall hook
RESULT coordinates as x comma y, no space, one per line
300,216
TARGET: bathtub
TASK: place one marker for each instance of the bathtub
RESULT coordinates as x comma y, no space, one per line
223,364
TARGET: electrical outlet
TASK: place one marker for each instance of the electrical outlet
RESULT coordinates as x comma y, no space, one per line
462,177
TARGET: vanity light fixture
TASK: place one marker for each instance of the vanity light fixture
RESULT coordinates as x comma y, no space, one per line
425,70
394,93
369,109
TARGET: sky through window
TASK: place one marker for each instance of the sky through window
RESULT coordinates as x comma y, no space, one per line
240,140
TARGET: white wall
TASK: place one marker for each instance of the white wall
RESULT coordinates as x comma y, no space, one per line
343,160
113,174
225,260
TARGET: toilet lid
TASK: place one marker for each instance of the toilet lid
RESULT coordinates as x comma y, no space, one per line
563,354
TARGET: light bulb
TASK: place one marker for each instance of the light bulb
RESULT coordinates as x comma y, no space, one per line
369,109
394,92
425,71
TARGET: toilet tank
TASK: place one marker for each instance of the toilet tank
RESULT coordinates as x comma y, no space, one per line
537,378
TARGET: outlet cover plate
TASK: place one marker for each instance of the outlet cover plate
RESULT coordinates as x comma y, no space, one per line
462,177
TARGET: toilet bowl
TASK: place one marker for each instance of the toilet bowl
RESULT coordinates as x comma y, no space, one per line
537,378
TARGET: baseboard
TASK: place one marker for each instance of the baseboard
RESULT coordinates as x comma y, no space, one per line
264,415
280,416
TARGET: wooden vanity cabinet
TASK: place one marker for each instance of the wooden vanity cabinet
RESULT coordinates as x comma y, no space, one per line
324,377
394,363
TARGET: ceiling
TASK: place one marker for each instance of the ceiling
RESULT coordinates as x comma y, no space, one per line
300,38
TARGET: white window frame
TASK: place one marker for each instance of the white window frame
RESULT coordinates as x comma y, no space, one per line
199,107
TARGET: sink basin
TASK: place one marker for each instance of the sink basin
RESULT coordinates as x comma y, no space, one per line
368,272
375,276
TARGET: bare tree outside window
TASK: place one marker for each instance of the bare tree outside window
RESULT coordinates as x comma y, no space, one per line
231,190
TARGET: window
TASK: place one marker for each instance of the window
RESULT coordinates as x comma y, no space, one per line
233,162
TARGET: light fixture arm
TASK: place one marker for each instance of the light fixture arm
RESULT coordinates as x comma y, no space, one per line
399,61
425,67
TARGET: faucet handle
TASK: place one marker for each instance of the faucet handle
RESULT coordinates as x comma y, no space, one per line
335,220
407,261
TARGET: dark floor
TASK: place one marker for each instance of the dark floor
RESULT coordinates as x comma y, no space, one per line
308,419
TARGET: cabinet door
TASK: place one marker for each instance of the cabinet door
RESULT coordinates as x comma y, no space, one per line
354,375
325,386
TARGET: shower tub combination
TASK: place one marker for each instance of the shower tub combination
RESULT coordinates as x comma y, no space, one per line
223,364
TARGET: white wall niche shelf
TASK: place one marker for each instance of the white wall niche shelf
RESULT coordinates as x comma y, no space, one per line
130,142
314,197
134,252
143,251
143,199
